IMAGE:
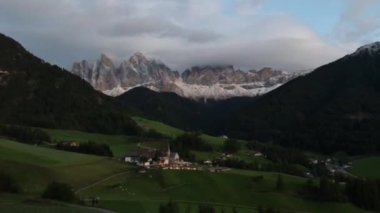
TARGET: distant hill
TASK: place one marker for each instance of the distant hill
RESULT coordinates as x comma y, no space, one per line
336,107
175,110
35,93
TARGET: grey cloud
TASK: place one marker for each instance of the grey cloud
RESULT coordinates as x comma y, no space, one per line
291,54
135,27
359,21
180,33
157,27
203,36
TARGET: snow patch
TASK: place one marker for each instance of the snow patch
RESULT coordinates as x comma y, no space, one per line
120,90
195,91
219,91
373,48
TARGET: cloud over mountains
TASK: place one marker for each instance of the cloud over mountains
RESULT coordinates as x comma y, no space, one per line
181,33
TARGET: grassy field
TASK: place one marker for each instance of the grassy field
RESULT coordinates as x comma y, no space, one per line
35,166
367,167
120,144
164,129
173,132
234,189
21,204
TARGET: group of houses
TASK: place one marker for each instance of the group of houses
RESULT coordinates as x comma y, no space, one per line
333,166
153,158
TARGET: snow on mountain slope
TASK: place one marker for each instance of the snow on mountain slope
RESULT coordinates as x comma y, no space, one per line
214,82
373,48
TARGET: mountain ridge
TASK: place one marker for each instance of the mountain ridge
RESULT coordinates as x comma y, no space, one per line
209,82
335,107
36,93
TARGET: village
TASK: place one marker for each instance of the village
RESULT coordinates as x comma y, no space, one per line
147,158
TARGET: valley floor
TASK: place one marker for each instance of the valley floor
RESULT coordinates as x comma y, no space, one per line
121,188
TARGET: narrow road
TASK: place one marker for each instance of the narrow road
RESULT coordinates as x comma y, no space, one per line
100,181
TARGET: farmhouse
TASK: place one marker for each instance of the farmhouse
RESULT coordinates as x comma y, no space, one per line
132,157
70,144
142,157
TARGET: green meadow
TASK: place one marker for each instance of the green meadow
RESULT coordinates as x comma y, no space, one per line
164,129
237,189
367,167
120,144
172,132
20,204
34,167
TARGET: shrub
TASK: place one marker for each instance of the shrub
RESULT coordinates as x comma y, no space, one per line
25,134
170,207
8,184
231,146
59,191
87,148
206,209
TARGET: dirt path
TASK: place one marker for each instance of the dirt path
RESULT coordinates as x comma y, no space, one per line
100,181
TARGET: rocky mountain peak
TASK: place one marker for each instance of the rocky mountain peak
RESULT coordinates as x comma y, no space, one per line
138,58
105,60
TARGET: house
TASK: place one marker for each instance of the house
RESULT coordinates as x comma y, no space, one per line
144,155
314,161
128,159
207,162
74,144
71,144
224,137
174,157
146,164
132,157
163,160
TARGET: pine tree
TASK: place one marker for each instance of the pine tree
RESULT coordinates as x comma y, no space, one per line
279,183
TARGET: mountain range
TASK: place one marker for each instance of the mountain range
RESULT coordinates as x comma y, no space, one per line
209,82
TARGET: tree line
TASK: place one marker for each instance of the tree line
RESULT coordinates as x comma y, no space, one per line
89,147
188,141
364,193
24,134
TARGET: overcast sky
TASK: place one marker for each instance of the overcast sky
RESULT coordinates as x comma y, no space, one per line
249,34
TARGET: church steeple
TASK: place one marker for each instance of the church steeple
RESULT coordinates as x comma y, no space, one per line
168,151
